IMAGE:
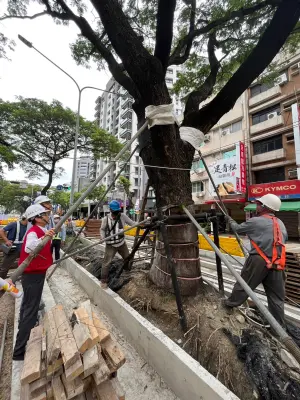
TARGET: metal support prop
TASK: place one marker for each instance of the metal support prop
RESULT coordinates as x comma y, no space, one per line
135,248
223,208
83,249
99,203
142,211
171,265
284,337
18,272
215,224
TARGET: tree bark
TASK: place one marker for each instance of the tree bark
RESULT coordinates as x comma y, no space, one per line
49,183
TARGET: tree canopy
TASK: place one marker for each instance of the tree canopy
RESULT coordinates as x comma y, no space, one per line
39,135
15,198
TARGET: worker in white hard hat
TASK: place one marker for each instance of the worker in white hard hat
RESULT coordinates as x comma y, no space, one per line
266,261
59,238
34,274
47,203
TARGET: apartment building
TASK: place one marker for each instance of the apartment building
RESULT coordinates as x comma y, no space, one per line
260,124
114,113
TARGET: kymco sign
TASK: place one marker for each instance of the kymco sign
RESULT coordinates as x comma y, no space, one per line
284,190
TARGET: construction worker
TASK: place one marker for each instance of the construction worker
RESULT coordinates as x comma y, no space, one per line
59,238
12,235
33,276
111,224
266,261
46,202
70,229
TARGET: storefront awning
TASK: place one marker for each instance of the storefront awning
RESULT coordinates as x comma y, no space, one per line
285,206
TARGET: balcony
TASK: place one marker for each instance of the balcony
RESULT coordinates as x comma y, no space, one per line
268,124
126,134
127,114
127,103
126,124
267,95
269,156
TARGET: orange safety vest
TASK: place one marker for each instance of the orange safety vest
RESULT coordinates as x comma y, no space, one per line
277,262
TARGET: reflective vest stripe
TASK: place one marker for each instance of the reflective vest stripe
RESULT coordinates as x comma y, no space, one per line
17,240
277,262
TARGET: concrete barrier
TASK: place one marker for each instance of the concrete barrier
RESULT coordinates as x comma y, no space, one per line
184,375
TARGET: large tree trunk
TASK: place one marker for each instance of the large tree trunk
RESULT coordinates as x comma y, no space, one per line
163,147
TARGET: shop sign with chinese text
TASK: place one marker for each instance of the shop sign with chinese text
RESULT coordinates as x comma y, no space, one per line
229,174
284,190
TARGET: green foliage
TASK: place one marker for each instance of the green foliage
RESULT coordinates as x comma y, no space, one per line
41,134
14,198
97,193
125,184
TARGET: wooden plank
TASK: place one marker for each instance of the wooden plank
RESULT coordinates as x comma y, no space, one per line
102,373
73,388
50,391
74,370
53,344
105,391
84,312
24,392
101,328
113,352
44,344
68,345
32,362
54,368
82,336
118,388
90,361
58,389
41,396
38,386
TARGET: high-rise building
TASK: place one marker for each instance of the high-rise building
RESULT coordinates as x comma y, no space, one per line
114,113
82,172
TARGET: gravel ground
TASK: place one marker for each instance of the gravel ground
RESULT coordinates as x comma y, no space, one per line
7,310
139,380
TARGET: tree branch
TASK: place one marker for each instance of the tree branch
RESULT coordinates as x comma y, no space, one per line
284,20
206,89
182,50
23,16
31,159
164,30
89,33
176,57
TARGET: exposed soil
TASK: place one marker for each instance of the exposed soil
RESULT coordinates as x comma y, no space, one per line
7,310
207,321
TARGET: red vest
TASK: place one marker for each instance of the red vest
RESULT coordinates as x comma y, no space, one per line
43,260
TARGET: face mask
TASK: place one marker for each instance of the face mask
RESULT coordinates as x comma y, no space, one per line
115,213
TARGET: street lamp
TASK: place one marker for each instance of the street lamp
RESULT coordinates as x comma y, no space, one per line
80,90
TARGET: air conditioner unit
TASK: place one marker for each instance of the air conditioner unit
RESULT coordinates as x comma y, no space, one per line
225,132
272,115
292,173
281,79
207,138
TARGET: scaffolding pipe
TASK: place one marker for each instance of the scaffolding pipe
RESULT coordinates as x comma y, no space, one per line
284,337
19,271
223,208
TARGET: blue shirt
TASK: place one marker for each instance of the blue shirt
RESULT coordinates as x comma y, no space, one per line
11,230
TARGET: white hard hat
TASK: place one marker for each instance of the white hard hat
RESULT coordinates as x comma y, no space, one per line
270,201
34,210
42,199
56,216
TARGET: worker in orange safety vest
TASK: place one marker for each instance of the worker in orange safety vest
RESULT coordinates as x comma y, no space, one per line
266,261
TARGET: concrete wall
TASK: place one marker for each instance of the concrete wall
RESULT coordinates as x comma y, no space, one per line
184,375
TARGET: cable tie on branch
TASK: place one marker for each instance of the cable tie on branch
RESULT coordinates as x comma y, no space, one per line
179,277
191,135
160,115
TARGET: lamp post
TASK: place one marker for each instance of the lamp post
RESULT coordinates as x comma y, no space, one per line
77,129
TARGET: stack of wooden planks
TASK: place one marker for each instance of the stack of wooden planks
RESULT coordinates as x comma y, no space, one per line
292,285
72,361
92,228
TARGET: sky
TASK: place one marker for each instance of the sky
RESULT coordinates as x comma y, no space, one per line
28,74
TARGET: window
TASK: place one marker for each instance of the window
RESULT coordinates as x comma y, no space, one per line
197,187
136,170
235,127
229,154
263,115
260,88
137,159
266,145
169,71
169,80
270,175
136,181
197,164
